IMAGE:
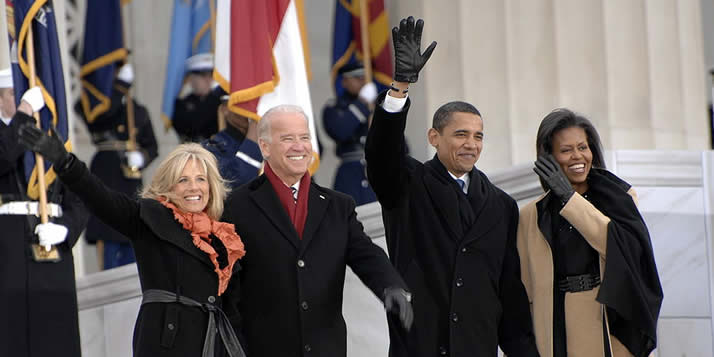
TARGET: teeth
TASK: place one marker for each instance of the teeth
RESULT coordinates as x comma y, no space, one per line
296,158
192,198
577,166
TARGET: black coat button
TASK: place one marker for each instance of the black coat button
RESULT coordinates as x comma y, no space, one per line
171,326
301,263
308,348
459,282
463,250
442,351
211,299
304,305
454,317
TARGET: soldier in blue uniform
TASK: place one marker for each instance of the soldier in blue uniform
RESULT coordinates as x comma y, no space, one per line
346,121
195,115
235,147
112,163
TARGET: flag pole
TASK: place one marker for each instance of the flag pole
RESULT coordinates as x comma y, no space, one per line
39,161
364,31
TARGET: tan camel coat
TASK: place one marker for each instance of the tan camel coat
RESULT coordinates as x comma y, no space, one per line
583,315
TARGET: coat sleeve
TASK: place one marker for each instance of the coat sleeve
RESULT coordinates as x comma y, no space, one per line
145,134
74,217
341,122
116,209
588,220
246,164
515,332
369,261
10,149
386,154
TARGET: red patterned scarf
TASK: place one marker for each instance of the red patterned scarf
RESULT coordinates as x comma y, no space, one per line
297,211
201,227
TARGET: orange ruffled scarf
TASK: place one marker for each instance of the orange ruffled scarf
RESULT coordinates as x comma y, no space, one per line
201,226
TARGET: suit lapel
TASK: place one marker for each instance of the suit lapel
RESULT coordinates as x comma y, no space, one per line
172,232
316,208
267,200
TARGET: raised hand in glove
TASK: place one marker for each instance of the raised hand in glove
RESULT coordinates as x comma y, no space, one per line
49,146
550,172
408,59
398,301
50,234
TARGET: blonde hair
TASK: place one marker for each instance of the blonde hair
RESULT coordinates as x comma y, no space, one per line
169,171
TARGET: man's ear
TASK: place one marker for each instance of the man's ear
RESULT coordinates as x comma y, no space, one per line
264,148
433,136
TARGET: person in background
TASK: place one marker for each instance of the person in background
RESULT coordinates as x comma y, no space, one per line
301,237
450,232
236,146
38,298
346,120
586,256
196,114
119,168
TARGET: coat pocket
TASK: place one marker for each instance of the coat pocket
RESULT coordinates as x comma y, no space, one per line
170,326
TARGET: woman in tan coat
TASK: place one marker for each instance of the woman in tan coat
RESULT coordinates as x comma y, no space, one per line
586,256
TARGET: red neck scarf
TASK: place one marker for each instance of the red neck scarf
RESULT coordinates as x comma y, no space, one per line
201,226
297,211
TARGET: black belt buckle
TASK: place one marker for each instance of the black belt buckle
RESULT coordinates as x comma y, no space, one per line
578,283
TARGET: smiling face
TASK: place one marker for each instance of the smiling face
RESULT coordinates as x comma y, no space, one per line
289,149
572,152
459,144
192,191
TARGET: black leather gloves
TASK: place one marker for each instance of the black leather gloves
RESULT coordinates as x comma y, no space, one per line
397,300
50,147
408,59
554,177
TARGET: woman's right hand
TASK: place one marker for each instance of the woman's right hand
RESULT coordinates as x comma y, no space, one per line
49,146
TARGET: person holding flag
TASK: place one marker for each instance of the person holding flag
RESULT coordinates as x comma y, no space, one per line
196,115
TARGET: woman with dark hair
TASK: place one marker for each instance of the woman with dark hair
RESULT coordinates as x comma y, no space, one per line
586,256
184,255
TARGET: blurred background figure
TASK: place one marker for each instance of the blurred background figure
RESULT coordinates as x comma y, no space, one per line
195,115
119,161
7,96
235,147
346,120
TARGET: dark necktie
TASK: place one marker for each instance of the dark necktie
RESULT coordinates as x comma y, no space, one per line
294,193
461,183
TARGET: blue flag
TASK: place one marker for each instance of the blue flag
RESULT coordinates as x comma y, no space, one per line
102,53
38,15
190,35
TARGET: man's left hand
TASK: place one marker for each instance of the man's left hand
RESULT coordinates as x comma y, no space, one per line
397,300
50,234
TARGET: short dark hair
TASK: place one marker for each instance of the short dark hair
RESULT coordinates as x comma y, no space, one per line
442,116
563,118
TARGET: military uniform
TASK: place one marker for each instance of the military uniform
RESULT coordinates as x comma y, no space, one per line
346,122
38,300
239,159
109,135
196,118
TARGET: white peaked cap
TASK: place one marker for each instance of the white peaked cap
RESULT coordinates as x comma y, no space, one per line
6,78
200,63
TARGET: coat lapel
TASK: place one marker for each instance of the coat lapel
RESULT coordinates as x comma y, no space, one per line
267,200
317,204
444,197
172,232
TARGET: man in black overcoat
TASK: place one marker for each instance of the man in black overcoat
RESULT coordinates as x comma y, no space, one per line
38,300
299,238
450,233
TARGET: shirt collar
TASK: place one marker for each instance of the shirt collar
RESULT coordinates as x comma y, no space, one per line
465,177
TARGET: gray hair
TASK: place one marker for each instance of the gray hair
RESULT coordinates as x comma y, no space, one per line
264,122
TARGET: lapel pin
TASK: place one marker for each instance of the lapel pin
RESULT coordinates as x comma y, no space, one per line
323,197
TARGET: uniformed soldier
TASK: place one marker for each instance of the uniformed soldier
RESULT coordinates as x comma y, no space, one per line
119,168
346,121
38,298
195,115
235,147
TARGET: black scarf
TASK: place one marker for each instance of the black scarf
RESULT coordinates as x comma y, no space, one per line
630,288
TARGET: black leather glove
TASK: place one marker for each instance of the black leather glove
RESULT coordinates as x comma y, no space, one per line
408,59
550,172
49,146
397,300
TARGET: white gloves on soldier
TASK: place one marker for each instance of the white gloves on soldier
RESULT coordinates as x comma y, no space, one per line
33,97
126,73
368,92
50,234
135,159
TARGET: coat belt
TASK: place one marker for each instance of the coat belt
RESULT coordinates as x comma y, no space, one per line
230,341
27,208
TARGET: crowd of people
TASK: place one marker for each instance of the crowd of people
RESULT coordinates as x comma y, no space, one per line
241,253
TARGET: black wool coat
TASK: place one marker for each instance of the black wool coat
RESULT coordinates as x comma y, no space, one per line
291,288
468,296
166,259
38,300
